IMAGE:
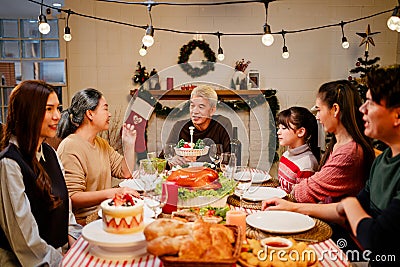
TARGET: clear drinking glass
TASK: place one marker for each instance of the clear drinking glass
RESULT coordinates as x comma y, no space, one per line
228,164
160,164
243,178
169,151
215,153
148,174
157,198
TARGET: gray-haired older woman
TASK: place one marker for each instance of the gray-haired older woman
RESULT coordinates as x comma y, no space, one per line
88,159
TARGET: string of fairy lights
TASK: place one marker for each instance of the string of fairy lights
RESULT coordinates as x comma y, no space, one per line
267,36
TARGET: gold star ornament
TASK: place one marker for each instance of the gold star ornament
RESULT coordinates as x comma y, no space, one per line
367,37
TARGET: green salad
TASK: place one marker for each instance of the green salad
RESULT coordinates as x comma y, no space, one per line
227,187
198,145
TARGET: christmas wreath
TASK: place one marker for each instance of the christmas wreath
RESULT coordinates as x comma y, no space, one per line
186,51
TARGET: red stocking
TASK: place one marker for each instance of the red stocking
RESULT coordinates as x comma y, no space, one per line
140,112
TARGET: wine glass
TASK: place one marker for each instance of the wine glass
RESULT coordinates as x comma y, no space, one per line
228,164
243,178
169,151
157,198
147,173
160,164
215,153
151,155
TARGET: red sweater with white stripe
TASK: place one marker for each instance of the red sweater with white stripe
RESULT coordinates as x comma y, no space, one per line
343,174
295,165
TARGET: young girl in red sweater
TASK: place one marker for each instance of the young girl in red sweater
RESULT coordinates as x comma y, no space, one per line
298,130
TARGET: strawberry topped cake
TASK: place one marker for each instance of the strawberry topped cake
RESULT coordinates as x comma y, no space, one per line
122,214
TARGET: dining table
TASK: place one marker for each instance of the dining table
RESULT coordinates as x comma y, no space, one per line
82,252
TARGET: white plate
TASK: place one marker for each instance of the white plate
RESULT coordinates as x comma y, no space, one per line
136,184
282,222
126,253
95,234
147,212
258,177
192,164
259,193
200,164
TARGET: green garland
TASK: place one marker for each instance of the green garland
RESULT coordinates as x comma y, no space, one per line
186,51
268,95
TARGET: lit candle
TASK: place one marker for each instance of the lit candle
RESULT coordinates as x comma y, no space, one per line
237,217
191,129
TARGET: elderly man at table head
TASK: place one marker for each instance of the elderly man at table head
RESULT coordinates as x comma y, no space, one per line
374,215
209,127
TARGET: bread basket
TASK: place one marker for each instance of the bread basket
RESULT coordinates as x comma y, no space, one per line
189,152
172,261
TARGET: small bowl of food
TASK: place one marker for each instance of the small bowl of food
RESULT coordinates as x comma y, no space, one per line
277,243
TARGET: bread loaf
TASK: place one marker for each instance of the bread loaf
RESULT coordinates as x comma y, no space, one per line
189,240
166,245
166,227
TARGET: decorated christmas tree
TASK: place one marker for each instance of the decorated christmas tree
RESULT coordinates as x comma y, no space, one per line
141,74
363,66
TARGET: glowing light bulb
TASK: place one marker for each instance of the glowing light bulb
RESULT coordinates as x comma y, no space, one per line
67,34
67,37
44,27
285,53
220,55
143,51
148,40
393,23
267,39
345,43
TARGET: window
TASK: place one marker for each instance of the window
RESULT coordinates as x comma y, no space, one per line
26,54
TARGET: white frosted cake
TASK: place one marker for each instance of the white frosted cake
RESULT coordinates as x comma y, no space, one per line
122,214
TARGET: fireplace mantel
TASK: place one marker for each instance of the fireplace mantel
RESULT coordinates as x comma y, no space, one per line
185,94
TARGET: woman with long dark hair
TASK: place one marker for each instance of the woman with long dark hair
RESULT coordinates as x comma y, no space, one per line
345,164
34,204
89,160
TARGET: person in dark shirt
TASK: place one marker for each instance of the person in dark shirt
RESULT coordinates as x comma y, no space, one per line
207,126
37,223
373,216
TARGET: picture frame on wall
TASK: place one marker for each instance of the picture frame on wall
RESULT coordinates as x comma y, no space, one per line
253,79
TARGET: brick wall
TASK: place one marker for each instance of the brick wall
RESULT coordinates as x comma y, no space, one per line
8,71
